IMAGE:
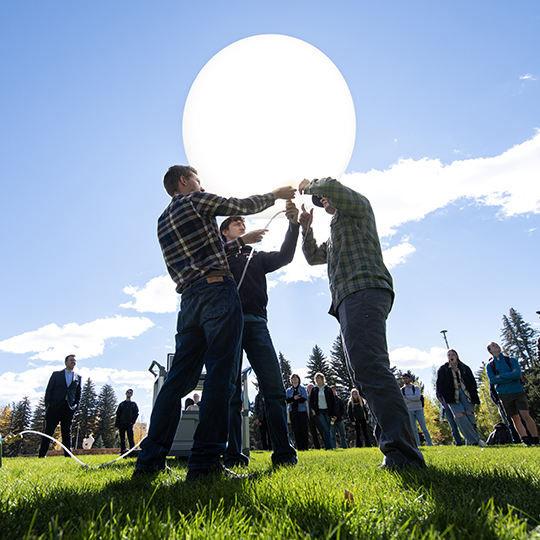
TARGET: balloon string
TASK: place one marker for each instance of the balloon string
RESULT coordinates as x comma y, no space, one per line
253,250
74,457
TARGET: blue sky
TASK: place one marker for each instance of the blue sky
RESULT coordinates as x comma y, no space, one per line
447,101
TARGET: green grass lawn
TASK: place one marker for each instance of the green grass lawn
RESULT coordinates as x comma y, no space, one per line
464,493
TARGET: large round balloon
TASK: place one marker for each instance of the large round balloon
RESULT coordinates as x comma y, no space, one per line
267,111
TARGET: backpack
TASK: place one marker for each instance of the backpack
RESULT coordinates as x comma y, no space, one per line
492,390
501,435
414,391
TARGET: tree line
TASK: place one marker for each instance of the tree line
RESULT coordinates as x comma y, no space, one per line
96,415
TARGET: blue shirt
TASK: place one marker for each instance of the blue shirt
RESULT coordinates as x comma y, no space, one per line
508,381
69,377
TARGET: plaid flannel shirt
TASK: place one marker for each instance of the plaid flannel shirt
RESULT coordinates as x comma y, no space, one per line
189,235
353,251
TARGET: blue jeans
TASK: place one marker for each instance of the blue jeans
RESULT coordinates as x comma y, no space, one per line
209,328
324,421
362,316
339,426
262,357
418,416
466,421
458,439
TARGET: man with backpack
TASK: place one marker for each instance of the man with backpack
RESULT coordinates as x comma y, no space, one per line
504,372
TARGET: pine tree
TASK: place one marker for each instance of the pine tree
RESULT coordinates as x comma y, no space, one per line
519,339
286,370
37,423
317,363
339,370
20,420
106,415
85,414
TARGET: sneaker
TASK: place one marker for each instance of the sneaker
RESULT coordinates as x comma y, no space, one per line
482,443
199,474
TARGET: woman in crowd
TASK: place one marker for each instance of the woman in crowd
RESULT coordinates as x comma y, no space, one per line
358,416
323,404
457,387
298,411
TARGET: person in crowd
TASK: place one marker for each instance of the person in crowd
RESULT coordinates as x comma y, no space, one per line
210,321
358,416
297,398
62,397
126,416
323,403
457,386
261,421
362,297
412,394
314,425
445,412
250,268
505,373
338,425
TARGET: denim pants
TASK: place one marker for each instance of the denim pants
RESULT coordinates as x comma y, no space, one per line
257,343
458,439
338,426
209,328
418,416
465,422
324,421
362,316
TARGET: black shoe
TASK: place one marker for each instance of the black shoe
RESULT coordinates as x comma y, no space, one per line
229,464
215,472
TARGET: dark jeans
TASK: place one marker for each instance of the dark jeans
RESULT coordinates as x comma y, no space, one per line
299,423
362,316
316,430
338,426
262,357
124,429
361,425
209,333
324,420
55,414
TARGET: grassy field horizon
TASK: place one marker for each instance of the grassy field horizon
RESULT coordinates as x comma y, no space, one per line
465,492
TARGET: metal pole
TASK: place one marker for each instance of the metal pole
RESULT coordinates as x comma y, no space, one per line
443,332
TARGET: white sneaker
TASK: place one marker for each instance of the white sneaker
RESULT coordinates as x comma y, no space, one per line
482,443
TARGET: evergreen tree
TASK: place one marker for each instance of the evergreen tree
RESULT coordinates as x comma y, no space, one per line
519,339
317,363
286,370
37,424
20,420
106,416
339,370
85,414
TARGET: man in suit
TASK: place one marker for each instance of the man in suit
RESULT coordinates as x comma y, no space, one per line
61,399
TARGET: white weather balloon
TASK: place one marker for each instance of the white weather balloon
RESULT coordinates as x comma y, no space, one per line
266,111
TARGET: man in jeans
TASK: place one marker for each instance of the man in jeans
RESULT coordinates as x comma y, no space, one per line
413,399
210,320
362,296
256,341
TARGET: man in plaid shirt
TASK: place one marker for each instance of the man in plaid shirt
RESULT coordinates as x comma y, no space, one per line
210,320
362,297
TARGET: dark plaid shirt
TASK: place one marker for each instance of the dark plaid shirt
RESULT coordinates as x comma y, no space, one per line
189,235
353,252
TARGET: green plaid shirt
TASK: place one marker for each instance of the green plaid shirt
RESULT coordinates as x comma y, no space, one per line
353,252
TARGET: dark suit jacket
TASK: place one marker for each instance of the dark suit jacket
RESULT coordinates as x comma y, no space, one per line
57,391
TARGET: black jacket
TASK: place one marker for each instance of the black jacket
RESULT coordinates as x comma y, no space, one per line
253,291
57,391
330,400
126,413
445,383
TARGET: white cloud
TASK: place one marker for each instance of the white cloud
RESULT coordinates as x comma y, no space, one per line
157,296
410,189
406,358
528,77
32,383
52,342
398,254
